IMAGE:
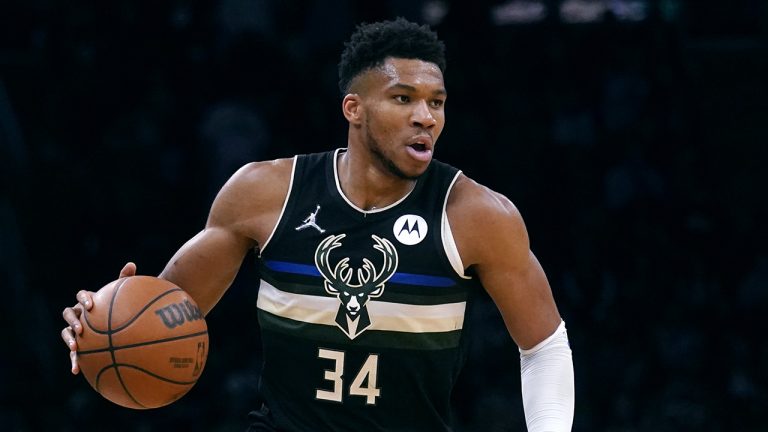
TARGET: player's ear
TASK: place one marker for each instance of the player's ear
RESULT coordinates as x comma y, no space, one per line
352,107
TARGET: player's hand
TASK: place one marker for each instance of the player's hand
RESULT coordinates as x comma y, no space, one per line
72,317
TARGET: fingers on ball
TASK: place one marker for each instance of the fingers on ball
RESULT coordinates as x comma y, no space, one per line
84,297
69,338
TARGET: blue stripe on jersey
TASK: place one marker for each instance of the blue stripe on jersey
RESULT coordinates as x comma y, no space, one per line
422,280
402,278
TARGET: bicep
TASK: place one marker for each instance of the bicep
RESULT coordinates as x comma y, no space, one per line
499,252
206,265
243,213
520,289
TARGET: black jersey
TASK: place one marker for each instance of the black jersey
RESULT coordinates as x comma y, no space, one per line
361,312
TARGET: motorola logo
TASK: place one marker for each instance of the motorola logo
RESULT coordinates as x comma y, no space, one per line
410,229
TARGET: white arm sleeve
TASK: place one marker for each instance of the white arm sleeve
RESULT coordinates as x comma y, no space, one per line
546,374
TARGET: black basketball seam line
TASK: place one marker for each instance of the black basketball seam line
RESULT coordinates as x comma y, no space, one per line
104,369
128,365
87,321
109,347
136,316
155,300
111,350
116,365
157,341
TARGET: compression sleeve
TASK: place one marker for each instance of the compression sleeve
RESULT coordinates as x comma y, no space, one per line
546,374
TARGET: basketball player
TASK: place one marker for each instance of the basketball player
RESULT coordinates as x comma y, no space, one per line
368,257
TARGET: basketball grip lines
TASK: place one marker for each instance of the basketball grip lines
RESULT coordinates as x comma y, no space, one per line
112,348
114,294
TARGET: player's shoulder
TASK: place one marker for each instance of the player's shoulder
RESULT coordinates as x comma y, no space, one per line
254,188
474,200
270,171
483,221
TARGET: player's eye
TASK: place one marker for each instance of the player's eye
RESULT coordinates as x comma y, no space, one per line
402,98
437,103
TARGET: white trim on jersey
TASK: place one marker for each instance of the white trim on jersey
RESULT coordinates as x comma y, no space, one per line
282,211
351,204
449,244
384,315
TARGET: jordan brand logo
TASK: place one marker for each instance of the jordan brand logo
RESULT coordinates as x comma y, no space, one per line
309,222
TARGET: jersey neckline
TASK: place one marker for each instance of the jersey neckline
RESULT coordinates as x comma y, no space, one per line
352,205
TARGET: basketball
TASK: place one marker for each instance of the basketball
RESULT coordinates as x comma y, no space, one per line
144,342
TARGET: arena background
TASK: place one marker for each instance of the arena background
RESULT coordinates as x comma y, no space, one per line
632,135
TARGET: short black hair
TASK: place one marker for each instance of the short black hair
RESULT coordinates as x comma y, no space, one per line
372,43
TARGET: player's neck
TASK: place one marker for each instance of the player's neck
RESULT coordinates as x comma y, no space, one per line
367,185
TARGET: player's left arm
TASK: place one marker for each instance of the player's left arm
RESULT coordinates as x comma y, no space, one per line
492,239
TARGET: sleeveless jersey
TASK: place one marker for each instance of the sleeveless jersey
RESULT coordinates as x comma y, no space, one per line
361,312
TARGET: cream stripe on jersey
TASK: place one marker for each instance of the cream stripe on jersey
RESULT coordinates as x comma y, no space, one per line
384,315
449,244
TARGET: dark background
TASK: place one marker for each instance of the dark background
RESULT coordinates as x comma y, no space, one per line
634,144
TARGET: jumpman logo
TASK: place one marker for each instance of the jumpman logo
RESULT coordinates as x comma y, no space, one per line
309,222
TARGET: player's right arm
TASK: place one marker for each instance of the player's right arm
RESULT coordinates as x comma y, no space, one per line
242,216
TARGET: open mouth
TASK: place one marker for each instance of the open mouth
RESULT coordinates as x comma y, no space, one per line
421,150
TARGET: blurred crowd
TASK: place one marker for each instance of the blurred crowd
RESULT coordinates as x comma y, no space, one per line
631,134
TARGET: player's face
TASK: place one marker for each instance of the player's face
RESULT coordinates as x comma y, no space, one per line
404,107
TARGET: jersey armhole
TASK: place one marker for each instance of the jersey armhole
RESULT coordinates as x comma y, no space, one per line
449,244
282,211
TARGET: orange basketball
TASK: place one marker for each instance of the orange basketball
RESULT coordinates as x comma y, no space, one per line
144,342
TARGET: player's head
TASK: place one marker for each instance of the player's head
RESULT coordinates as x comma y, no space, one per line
371,44
391,75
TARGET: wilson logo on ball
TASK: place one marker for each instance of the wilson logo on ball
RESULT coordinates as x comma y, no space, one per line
177,314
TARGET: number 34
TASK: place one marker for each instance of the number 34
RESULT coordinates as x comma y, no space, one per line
366,374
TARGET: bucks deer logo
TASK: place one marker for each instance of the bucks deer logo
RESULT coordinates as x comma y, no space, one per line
352,317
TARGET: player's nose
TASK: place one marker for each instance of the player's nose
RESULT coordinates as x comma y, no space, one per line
421,116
